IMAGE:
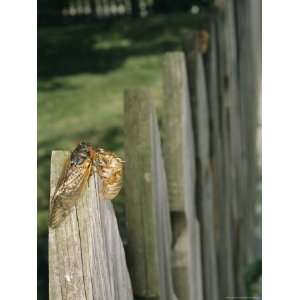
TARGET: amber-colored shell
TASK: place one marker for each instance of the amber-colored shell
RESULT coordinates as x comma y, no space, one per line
110,169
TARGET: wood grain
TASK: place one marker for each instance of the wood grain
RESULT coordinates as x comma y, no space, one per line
149,231
249,67
179,158
140,209
231,146
204,187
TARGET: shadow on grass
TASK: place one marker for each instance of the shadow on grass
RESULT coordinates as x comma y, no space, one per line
103,47
55,85
42,268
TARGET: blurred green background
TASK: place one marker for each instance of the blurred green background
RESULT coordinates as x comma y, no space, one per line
83,69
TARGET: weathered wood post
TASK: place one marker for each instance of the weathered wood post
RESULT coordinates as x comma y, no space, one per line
249,80
179,158
195,44
86,255
233,173
149,232
237,64
221,221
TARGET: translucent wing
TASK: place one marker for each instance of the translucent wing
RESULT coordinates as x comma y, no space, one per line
110,169
74,178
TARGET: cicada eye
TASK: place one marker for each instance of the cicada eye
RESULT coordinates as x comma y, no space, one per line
78,157
78,160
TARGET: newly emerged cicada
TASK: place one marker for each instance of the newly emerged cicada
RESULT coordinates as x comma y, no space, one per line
85,160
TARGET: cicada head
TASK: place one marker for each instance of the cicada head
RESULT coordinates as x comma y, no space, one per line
81,153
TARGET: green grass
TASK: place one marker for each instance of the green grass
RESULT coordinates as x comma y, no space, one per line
82,73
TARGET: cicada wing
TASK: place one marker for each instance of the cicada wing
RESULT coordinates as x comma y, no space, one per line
110,169
69,188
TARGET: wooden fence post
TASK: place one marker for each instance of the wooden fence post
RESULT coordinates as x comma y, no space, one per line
249,64
233,172
149,231
86,255
237,66
180,166
219,191
204,187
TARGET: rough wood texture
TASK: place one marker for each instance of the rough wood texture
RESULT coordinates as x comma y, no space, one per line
164,233
149,231
213,94
204,187
230,207
180,165
248,42
238,82
86,255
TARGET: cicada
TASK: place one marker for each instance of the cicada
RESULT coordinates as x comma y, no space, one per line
85,161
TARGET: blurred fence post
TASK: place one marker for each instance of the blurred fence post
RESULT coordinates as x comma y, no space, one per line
249,68
211,62
180,166
149,231
237,66
230,206
86,255
195,44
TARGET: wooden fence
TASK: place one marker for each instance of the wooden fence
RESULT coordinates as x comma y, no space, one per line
191,186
